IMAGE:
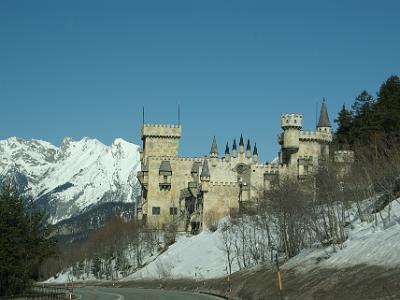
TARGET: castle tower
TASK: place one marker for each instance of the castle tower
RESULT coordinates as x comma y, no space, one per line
234,149
324,128
248,150
227,154
241,145
324,125
255,153
205,176
290,141
160,140
214,152
214,149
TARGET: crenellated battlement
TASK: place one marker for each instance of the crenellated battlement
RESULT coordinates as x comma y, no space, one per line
291,121
317,136
161,130
225,184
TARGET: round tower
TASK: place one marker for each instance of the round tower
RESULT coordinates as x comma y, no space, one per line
291,125
324,125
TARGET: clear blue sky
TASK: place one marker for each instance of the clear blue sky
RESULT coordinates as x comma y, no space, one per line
86,68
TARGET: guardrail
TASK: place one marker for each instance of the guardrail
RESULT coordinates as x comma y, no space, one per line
43,293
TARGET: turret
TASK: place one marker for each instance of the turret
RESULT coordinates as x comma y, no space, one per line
214,149
227,152
214,152
324,125
205,176
248,150
255,153
291,125
234,149
241,145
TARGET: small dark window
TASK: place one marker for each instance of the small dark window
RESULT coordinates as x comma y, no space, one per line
155,210
173,210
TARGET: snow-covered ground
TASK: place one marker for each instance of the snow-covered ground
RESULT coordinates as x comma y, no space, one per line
200,256
375,243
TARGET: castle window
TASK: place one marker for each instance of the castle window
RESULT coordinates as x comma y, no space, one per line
165,175
155,210
173,210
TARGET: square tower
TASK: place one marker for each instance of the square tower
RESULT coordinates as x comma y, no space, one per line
160,140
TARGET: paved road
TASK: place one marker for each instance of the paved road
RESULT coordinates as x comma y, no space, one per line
99,293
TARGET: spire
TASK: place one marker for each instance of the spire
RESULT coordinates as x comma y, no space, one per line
323,116
255,151
227,148
234,147
241,143
248,147
205,172
214,148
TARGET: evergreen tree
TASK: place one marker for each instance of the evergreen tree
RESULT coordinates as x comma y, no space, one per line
363,119
388,107
96,267
344,120
24,241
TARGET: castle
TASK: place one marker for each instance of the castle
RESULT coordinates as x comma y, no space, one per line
195,192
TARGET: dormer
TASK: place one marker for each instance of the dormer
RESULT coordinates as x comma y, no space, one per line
165,175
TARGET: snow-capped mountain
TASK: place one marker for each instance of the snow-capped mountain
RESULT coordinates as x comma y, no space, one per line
67,180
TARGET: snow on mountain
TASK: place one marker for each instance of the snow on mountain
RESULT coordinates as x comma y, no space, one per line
70,178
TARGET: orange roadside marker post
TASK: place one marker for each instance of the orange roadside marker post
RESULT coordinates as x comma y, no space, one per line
279,277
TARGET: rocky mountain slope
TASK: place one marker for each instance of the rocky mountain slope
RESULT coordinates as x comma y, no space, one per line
74,177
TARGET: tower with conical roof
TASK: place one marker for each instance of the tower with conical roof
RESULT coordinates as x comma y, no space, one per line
241,145
214,149
234,149
325,130
227,154
255,153
324,125
214,152
248,150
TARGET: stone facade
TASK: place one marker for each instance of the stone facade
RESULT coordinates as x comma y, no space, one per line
195,192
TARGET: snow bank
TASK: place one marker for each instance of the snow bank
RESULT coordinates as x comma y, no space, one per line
372,243
200,256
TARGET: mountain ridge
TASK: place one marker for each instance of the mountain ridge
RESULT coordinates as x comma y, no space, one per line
68,179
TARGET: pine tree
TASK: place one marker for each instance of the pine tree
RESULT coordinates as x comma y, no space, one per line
344,120
363,119
96,267
24,241
388,107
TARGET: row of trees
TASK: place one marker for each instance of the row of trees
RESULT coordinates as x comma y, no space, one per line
295,215
115,249
371,121
25,241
